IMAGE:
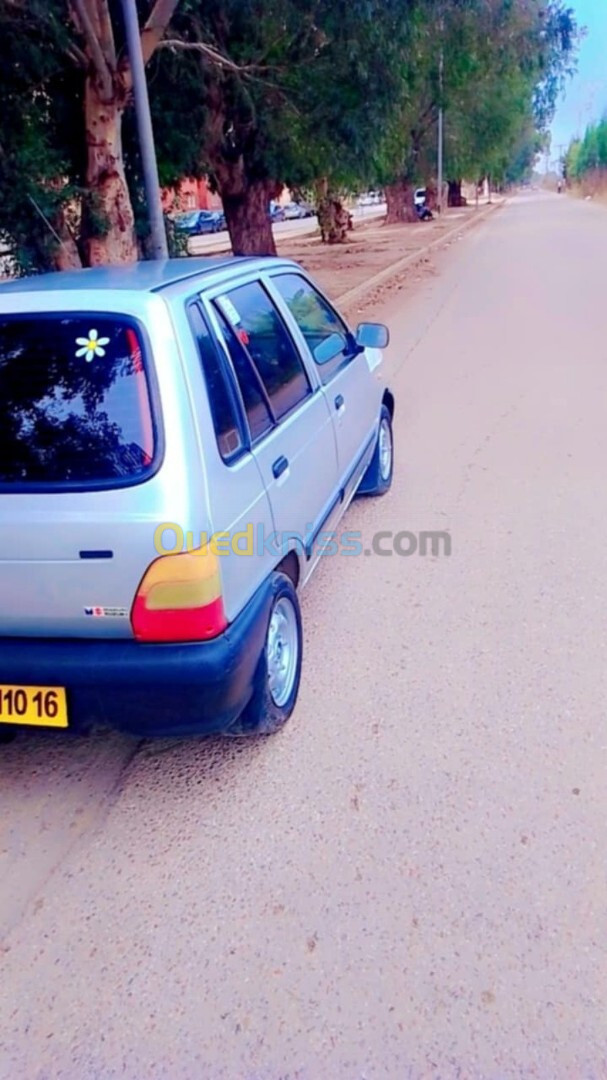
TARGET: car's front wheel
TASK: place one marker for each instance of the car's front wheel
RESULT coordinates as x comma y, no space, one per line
279,669
378,477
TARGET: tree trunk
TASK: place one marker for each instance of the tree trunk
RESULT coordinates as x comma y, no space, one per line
455,197
66,255
334,220
108,219
321,189
399,201
432,196
248,218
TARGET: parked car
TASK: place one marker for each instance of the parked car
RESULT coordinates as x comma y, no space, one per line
370,198
295,210
277,212
178,442
200,222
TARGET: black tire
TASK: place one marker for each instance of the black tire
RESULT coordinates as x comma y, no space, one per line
378,479
267,711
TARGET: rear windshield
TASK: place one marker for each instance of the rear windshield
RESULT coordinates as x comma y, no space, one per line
74,402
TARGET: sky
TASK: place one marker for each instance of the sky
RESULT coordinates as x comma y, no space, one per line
586,94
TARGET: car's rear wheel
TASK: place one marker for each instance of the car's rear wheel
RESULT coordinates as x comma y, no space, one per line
279,669
378,477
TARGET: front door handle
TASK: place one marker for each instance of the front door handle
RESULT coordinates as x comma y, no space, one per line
279,466
339,402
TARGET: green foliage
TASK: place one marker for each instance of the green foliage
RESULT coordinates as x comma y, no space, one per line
524,153
314,82
589,154
504,64
531,49
40,153
266,92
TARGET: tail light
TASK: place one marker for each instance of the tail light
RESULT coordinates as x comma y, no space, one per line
179,599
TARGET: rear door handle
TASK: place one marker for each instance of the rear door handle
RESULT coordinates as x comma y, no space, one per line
339,402
279,466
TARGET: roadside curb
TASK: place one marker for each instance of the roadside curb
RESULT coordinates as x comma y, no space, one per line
352,295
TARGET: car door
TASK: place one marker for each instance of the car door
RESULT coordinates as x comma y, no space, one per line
291,428
237,498
344,371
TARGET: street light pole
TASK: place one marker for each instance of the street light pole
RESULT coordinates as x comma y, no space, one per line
159,245
440,131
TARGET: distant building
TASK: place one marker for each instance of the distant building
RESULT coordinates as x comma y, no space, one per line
190,195
197,195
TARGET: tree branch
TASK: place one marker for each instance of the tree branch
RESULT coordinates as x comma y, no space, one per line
211,54
426,119
155,26
94,12
77,55
106,32
83,21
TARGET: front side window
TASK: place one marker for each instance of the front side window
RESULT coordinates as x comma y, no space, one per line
261,331
326,335
75,407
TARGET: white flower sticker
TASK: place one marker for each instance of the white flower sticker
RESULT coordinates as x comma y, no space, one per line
91,346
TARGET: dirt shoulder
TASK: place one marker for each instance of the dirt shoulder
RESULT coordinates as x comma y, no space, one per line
590,190
371,250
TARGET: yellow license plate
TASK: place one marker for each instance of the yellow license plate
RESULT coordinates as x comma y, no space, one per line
38,706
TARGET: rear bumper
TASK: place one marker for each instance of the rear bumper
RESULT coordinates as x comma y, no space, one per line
148,690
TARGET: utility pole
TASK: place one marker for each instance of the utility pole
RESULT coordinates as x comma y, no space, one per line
440,161
440,119
146,135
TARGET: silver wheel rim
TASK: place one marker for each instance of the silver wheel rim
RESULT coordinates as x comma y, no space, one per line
282,647
385,449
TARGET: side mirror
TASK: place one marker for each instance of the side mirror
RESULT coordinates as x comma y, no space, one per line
329,348
372,335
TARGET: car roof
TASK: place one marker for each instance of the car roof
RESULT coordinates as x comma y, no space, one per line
153,276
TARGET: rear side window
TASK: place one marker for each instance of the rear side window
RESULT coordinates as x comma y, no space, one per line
267,341
254,398
224,409
75,406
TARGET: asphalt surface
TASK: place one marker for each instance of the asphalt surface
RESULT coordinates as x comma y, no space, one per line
410,880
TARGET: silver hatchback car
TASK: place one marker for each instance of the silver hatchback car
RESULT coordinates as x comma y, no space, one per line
178,443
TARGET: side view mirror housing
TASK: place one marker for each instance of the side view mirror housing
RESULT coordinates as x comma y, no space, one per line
372,335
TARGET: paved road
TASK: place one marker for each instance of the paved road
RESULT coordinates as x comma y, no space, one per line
408,882
207,245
